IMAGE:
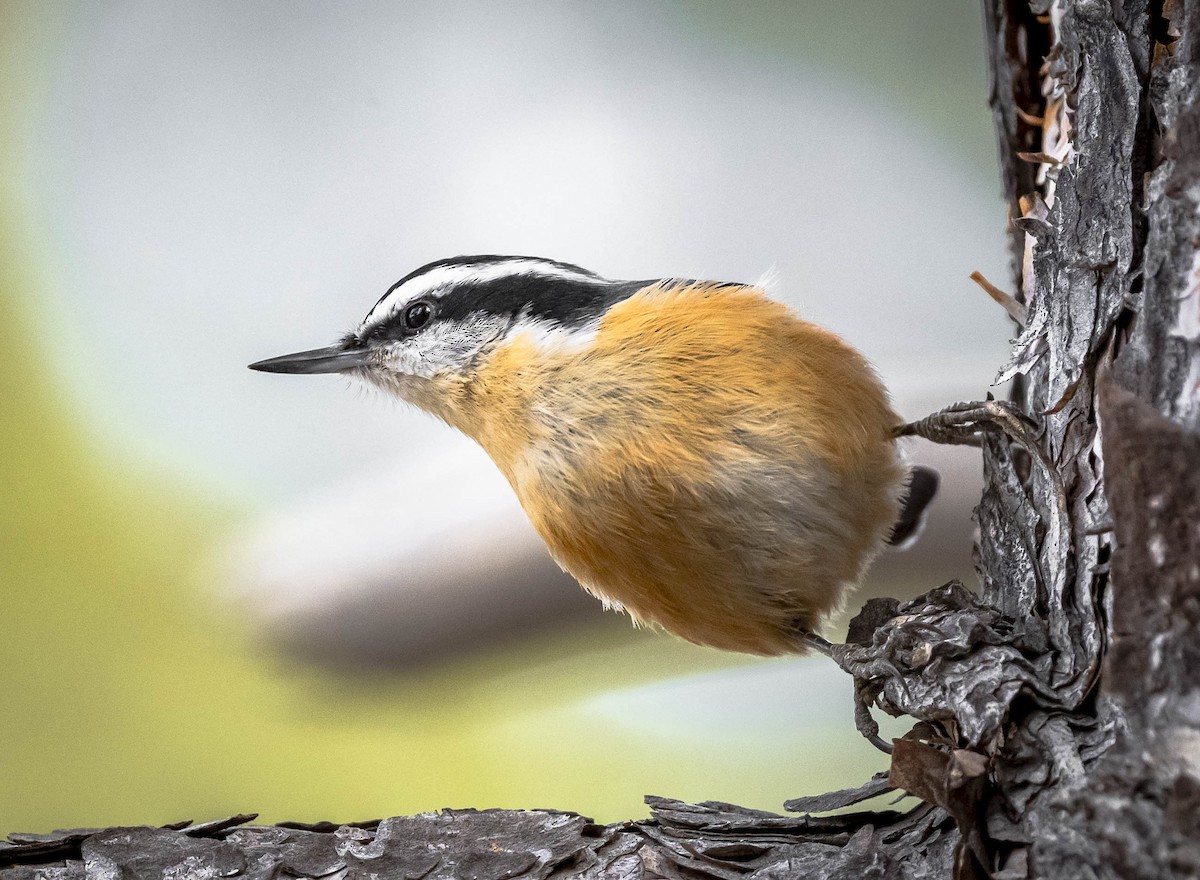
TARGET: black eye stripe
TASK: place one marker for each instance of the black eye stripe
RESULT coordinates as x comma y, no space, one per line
568,302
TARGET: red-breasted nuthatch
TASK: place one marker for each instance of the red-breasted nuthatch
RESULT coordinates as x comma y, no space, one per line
691,451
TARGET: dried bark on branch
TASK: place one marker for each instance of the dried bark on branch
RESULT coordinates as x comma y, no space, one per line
1058,711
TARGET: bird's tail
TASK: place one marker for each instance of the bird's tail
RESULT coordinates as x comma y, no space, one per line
922,486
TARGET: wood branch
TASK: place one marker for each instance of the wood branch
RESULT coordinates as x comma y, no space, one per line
1056,712
708,840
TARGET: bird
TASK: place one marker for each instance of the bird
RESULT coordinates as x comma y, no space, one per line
692,452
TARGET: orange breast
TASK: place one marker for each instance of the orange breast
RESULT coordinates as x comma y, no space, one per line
710,463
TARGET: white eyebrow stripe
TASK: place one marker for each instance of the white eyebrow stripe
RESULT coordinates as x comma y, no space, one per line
429,284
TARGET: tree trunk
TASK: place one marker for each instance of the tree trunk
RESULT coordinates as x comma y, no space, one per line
1058,712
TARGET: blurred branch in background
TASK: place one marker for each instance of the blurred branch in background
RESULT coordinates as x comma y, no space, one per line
397,570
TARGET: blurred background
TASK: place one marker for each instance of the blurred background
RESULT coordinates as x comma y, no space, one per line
225,591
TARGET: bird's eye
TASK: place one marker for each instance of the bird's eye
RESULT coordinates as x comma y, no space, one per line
417,315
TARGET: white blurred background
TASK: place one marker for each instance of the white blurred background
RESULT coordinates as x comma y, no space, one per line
195,186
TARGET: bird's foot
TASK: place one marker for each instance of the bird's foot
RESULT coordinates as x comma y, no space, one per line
817,643
863,721
964,423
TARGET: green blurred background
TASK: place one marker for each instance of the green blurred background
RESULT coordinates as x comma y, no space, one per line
188,187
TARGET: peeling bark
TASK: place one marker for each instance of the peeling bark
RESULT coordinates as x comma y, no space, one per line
1057,712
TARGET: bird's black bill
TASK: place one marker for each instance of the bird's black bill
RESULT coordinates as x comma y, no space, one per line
320,360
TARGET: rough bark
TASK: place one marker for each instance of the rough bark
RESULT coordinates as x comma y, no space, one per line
1057,712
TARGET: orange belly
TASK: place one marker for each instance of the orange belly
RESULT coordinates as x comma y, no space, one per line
710,463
